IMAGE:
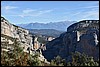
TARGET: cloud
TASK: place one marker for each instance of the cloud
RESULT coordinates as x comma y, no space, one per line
28,10
10,7
87,7
43,12
85,12
91,14
34,13
77,13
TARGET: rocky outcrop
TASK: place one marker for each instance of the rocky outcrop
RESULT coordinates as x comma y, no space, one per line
82,36
14,35
36,43
88,44
22,35
50,38
39,41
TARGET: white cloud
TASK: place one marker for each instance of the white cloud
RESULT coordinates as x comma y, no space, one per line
91,14
34,13
44,12
77,13
86,12
10,7
28,10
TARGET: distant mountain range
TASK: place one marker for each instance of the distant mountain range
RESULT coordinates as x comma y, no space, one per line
61,26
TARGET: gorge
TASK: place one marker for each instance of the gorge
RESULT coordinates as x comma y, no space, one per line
82,36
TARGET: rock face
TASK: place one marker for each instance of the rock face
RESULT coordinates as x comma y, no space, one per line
88,44
12,35
39,41
13,31
36,43
82,36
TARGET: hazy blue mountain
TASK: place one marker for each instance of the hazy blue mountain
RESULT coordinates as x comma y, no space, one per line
62,25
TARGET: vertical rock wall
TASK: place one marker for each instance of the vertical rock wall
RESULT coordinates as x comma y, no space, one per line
82,36
14,31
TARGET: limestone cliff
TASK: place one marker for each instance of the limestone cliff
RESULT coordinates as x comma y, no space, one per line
22,35
12,35
82,36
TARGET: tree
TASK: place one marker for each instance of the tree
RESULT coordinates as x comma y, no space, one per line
57,61
79,59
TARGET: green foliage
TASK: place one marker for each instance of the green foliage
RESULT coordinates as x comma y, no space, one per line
68,64
17,57
41,40
79,59
34,61
57,61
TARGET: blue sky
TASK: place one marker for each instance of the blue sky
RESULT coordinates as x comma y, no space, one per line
18,12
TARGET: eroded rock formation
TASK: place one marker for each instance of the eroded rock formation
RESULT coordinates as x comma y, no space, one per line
15,35
22,35
82,36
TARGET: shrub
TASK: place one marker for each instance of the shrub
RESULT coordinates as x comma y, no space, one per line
57,61
79,59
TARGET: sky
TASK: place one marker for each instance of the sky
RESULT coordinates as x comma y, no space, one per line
23,12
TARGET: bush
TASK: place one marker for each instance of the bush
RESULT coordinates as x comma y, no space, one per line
57,61
79,59
17,57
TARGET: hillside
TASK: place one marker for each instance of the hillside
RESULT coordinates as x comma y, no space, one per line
46,32
16,44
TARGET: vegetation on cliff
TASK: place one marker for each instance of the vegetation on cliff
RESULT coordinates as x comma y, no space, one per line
78,59
17,57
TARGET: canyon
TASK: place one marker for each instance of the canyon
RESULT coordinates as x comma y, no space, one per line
82,36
